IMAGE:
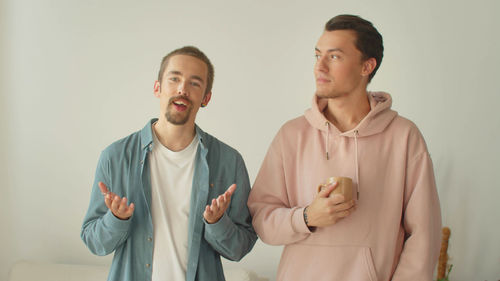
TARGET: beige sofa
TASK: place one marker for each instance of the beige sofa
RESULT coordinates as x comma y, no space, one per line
31,271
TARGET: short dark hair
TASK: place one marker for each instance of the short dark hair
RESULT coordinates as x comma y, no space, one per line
368,39
194,52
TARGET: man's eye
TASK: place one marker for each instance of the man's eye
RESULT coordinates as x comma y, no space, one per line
196,84
334,57
173,79
317,56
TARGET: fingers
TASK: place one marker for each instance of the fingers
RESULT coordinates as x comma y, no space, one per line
346,212
214,207
130,210
325,192
108,196
341,211
103,188
344,206
118,206
231,190
220,203
207,212
334,185
224,201
122,208
342,214
336,199
218,206
115,204
108,199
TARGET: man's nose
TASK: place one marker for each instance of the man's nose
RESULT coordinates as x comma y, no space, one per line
321,64
182,89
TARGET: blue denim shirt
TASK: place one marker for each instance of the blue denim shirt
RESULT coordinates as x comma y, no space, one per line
124,168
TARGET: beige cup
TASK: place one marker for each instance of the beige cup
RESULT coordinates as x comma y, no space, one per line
344,187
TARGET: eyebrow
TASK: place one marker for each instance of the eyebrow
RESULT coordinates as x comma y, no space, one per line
176,72
330,50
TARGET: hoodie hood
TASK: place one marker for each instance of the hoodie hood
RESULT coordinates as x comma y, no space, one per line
379,117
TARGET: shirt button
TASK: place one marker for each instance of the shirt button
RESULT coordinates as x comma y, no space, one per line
150,239
148,265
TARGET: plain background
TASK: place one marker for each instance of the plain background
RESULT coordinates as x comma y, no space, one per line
77,75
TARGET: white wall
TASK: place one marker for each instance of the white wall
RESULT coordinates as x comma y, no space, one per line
77,75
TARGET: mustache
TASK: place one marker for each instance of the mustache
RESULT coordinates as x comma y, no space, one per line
172,99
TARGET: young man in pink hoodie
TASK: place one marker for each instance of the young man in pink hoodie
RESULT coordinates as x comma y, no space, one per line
391,228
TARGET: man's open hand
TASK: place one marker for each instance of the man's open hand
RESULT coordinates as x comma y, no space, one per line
215,211
116,204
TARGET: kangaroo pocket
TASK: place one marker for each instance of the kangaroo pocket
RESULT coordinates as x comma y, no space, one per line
326,263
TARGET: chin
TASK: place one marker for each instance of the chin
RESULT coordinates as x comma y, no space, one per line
330,94
327,95
177,119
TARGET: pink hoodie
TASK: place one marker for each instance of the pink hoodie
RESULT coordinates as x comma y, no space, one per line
395,232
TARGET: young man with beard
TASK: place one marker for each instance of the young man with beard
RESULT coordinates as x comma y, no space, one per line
391,229
170,198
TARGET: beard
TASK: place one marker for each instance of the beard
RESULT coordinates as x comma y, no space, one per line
178,118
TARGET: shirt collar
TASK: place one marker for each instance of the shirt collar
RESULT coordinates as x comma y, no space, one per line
147,135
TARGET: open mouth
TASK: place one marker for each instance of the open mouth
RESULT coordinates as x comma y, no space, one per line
180,104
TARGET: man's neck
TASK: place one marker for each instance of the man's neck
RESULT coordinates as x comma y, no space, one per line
347,111
174,137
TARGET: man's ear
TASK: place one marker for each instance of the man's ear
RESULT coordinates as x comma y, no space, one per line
368,66
157,88
206,98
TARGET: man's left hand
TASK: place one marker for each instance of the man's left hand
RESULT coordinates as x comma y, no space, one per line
215,211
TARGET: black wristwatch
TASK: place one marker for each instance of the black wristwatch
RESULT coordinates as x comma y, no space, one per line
311,228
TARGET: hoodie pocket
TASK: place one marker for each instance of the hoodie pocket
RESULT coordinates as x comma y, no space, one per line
326,263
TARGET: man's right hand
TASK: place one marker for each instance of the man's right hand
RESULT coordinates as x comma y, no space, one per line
117,205
326,210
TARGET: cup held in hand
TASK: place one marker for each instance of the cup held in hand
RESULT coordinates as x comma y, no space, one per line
344,187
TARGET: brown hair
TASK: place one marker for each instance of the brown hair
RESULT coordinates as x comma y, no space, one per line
368,39
194,52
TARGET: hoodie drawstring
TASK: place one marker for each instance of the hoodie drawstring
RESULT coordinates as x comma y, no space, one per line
356,134
356,161
327,124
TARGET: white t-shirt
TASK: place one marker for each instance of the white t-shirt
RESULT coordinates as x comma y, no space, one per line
171,183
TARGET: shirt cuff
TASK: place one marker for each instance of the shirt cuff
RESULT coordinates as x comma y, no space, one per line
220,227
113,222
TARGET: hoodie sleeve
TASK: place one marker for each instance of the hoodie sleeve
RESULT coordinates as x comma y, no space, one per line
101,231
274,220
421,220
